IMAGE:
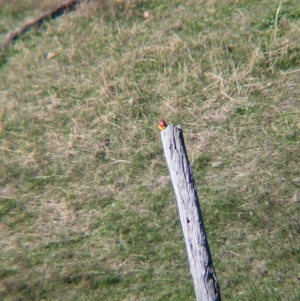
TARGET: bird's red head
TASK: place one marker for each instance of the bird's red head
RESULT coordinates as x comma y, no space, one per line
162,125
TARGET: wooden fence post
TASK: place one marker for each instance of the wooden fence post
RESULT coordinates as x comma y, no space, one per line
200,260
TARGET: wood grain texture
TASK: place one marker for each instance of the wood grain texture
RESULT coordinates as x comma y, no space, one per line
200,260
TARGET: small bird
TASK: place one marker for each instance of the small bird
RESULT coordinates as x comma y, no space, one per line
162,125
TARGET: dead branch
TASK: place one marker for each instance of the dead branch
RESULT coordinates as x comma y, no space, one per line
51,14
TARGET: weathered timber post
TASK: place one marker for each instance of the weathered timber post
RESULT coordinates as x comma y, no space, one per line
201,265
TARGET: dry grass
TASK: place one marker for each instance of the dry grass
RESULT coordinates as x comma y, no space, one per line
87,208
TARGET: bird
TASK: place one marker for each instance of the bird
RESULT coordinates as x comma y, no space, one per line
162,125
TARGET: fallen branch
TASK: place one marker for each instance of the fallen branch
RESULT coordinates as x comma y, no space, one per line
51,14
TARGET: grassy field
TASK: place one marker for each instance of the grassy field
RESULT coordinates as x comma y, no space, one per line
87,210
